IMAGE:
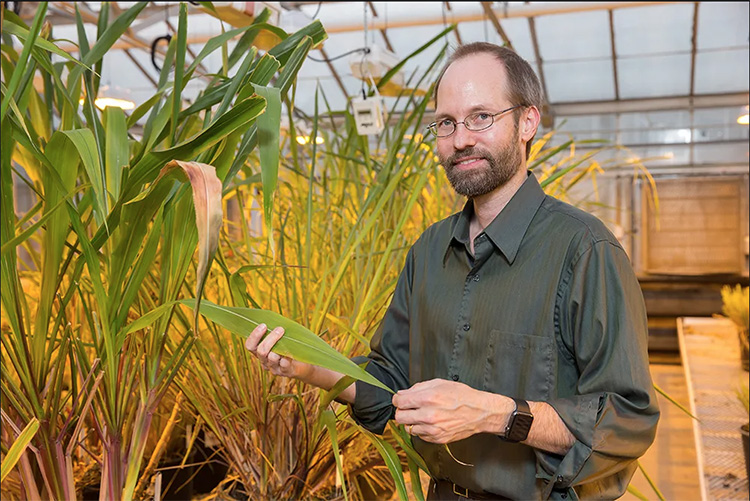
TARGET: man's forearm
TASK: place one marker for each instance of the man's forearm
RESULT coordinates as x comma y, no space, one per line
548,432
327,379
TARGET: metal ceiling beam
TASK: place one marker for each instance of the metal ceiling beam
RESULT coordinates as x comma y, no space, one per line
694,51
487,6
382,30
458,35
548,113
419,19
652,104
334,73
614,54
527,9
538,56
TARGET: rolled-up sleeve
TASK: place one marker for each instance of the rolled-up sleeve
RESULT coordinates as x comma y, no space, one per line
613,413
388,360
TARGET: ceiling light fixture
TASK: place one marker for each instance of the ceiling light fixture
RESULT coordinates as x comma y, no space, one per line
744,118
115,97
306,140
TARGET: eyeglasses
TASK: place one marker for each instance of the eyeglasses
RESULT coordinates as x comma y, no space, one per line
475,122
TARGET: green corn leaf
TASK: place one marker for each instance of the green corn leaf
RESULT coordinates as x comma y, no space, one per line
117,148
328,418
264,70
108,39
11,26
244,43
149,318
23,59
284,50
405,442
241,115
213,44
28,232
635,492
85,143
289,72
298,342
18,447
269,124
392,461
675,402
341,385
416,482
386,78
179,70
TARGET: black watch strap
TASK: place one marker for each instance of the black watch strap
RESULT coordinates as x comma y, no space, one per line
519,423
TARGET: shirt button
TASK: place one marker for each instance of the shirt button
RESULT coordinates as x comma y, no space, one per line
564,495
455,377
476,278
467,327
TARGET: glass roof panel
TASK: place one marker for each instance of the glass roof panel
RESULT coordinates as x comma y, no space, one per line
653,29
579,81
654,76
517,30
581,35
723,24
722,71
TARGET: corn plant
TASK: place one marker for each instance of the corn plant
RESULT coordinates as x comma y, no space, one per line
111,240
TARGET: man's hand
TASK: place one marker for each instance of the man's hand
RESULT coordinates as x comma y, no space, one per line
285,366
273,362
441,411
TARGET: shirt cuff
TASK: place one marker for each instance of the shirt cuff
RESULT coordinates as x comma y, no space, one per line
580,416
372,407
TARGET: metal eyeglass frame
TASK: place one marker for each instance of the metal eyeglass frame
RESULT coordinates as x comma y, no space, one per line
433,126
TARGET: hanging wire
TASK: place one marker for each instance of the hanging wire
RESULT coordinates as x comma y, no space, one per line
167,38
366,50
317,11
362,67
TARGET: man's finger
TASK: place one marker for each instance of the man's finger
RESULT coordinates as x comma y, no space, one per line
274,357
251,343
264,348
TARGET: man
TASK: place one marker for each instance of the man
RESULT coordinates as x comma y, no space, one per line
517,331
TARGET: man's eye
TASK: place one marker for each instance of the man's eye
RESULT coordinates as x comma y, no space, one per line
483,116
446,122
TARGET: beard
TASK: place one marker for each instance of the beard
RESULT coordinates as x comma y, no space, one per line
501,167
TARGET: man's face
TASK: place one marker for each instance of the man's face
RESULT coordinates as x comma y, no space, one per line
477,162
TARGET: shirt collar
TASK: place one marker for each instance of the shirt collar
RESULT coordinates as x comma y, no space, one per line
507,230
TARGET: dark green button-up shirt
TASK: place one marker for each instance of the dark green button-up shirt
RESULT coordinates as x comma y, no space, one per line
547,309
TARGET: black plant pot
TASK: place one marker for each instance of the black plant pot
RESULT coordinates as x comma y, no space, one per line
744,429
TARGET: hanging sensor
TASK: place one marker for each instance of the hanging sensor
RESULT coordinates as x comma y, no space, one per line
368,115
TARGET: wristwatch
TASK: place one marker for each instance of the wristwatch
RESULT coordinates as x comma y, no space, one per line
519,423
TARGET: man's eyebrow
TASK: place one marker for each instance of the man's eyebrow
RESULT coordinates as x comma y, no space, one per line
474,109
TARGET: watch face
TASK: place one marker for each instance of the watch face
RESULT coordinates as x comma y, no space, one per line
519,426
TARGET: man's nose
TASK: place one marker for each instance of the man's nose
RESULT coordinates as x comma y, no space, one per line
463,137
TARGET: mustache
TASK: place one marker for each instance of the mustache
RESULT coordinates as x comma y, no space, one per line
457,157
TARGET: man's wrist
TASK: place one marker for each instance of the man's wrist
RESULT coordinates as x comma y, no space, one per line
501,408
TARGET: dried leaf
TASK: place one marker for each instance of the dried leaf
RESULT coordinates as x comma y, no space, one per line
208,212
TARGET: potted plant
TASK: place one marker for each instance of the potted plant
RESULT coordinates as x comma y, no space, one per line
735,306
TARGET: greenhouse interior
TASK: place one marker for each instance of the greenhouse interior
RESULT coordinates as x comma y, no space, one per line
245,247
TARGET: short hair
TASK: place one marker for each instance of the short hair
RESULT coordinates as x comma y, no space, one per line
523,85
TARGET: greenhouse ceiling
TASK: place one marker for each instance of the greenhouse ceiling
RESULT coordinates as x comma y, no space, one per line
592,57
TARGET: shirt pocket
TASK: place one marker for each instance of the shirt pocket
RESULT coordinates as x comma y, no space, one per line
519,365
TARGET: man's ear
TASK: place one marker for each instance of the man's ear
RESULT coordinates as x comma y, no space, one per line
529,123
